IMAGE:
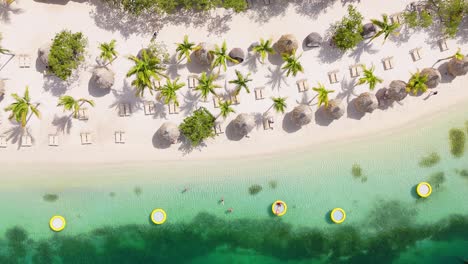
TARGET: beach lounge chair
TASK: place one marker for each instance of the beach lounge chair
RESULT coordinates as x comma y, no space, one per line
119,137
3,142
416,54
83,114
302,85
218,129
24,61
124,109
268,123
53,140
396,18
443,44
235,98
26,141
355,70
173,108
216,101
259,93
333,76
149,108
86,138
192,81
387,63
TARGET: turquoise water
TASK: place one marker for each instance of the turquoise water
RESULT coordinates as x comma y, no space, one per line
107,206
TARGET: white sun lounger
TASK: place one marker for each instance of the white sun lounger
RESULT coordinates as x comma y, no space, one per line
387,63
302,85
235,99
259,93
216,101
443,44
53,140
192,81
3,142
26,141
218,129
24,61
119,137
416,54
333,77
124,109
86,138
149,108
83,114
355,70
173,108
268,123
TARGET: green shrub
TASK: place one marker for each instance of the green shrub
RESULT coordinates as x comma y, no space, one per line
347,32
450,13
430,160
254,189
66,53
49,197
457,142
199,126
414,19
236,5
356,170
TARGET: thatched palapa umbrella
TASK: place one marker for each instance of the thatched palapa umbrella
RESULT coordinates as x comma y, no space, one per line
433,77
44,52
366,103
237,54
457,67
397,90
301,115
287,44
335,109
103,77
169,132
203,55
244,124
368,30
313,40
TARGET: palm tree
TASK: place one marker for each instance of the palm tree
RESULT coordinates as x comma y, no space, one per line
279,104
146,69
225,108
322,94
221,57
71,104
206,85
241,82
417,83
185,48
108,52
458,55
264,48
169,91
292,64
20,108
386,28
369,77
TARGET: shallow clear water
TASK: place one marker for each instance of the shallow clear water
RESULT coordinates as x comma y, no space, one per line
107,207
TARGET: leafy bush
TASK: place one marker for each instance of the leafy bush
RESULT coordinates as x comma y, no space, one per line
254,189
66,53
49,197
457,142
356,170
450,13
429,160
347,32
414,19
199,126
236,5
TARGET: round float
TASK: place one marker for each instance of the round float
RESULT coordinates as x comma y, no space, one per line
57,223
424,189
279,208
158,216
338,215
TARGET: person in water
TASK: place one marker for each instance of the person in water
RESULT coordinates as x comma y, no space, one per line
222,200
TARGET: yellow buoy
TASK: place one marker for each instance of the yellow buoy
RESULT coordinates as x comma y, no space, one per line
279,208
338,215
57,223
158,216
424,189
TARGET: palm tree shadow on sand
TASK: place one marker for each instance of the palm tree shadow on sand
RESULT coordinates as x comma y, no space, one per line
6,11
276,77
190,102
347,90
63,124
15,134
127,95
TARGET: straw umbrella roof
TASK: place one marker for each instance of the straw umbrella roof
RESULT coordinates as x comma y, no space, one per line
397,90
237,54
301,115
104,77
458,67
368,30
286,44
433,77
44,52
244,124
366,103
313,40
203,55
169,132
335,109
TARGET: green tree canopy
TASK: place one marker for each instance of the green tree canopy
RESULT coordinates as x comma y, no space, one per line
347,32
168,92
146,69
386,28
221,57
206,85
322,94
108,52
21,107
417,83
369,77
292,64
225,108
263,49
241,82
198,127
279,104
71,104
66,53
185,48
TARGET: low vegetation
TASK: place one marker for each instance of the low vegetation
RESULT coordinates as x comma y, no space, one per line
462,172
198,126
436,179
49,197
356,170
429,160
347,32
66,53
416,19
457,139
254,189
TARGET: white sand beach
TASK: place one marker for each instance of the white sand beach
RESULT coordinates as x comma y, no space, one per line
31,23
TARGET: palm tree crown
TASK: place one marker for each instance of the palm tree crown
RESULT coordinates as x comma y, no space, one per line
20,108
169,91
264,48
386,28
458,55
417,83
241,82
185,48
71,104
146,69
322,94
369,77
108,52
221,57
225,108
206,85
292,64
279,104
